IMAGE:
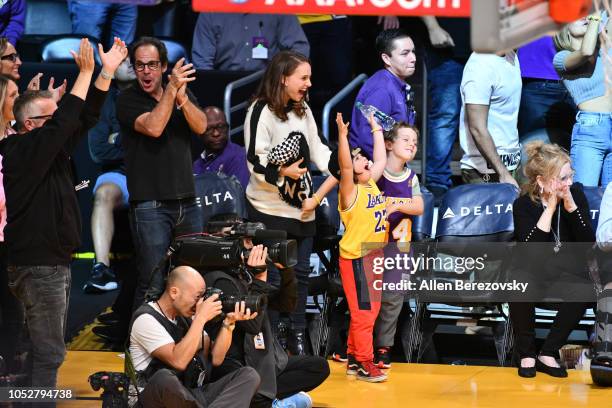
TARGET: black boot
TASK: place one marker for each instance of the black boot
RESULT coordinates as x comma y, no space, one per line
297,343
601,365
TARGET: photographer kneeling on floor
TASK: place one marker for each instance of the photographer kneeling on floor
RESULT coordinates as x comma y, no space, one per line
172,353
284,379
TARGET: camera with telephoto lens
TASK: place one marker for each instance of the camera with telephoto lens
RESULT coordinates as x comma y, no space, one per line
253,302
227,249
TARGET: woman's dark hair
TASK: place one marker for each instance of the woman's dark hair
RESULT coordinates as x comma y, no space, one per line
271,89
142,41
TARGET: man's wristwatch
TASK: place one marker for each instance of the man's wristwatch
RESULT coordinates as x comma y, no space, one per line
229,327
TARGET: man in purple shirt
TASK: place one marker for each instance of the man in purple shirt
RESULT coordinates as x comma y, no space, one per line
12,19
220,154
387,89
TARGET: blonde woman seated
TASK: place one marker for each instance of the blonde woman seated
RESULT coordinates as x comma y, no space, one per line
551,209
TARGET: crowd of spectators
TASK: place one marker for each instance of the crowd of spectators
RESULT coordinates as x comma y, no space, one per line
141,129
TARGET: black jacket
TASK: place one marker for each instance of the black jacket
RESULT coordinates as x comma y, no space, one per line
43,217
574,228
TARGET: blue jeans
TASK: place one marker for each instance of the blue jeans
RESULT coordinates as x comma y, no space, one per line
44,292
91,17
546,105
591,150
155,224
443,121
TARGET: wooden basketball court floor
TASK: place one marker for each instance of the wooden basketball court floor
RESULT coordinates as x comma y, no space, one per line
413,385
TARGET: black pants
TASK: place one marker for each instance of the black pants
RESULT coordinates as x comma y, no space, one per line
523,321
11,315
302,373
234,390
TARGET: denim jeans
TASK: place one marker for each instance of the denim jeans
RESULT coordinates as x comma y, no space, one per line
91,17
302,271
154,225
443,121
546,105
44,292
591,150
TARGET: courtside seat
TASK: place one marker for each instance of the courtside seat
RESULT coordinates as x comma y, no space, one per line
470,217
328,284
176,51
219,194
57,49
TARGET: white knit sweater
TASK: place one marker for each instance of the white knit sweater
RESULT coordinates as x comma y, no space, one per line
271,131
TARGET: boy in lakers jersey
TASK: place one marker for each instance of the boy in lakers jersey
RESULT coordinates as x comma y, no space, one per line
363,212
400,187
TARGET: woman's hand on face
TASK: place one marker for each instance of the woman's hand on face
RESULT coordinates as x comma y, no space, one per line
568,199
293,171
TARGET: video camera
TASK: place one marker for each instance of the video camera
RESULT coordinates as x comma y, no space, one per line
226,250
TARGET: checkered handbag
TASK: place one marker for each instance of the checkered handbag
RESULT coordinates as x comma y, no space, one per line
287,151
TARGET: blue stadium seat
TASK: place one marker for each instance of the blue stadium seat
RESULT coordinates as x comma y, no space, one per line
327,285
57,49
47,17
422,225
176,51
468,215
219,194
594,196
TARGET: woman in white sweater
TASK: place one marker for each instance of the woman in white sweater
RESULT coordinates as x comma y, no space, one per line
282,140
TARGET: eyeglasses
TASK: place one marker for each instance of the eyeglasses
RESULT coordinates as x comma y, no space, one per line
152,65
565,179
13,57
221,128
41,117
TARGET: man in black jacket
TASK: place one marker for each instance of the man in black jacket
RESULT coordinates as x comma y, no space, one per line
43,220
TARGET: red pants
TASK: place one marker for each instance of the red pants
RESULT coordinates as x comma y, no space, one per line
362,306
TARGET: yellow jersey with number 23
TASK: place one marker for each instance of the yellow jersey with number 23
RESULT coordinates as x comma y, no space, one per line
364,221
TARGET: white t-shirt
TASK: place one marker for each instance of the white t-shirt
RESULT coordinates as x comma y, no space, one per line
147,336
489,79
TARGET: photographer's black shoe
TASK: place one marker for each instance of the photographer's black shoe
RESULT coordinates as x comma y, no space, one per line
558,372
296,344
109,318
102,279
112,334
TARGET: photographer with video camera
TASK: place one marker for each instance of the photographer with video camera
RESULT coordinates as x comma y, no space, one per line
284,379
172,354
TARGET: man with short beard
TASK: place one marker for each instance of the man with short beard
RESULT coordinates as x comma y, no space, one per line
157,120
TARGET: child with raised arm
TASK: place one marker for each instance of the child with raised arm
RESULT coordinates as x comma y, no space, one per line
400,187
362,210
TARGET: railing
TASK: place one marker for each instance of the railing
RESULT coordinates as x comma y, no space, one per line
343,93
228,109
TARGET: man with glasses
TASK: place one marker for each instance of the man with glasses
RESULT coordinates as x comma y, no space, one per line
220,154
156,120
43,218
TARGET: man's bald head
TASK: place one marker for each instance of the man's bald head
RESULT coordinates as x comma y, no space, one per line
184,288
215,114
184,276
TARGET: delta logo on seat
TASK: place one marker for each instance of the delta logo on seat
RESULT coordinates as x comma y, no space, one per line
478,210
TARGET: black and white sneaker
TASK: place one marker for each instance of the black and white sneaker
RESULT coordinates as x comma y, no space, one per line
352,365
102,279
